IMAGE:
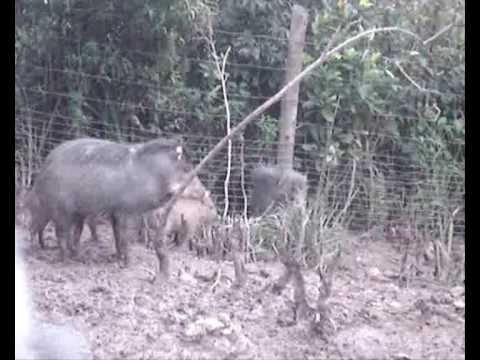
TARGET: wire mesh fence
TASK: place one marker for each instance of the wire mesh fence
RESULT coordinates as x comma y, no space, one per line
368,186
367,190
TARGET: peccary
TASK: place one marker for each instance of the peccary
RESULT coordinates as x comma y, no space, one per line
273,186
90,177
38,215
35,340
191,211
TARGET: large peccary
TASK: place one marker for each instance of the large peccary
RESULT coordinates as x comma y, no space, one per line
193,210
35,340
90,177
39,217
273,186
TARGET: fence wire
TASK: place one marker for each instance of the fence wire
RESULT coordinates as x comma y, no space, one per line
367,186
366,191
359,186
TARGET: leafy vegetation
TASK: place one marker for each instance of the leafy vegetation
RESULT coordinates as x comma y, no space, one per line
390,107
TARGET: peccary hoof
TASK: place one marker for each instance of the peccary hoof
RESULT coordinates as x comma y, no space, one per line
163,276
73,252
124,262
277,289
76,257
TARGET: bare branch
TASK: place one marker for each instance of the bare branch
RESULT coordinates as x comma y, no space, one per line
444,30
223,80
267,104
420,88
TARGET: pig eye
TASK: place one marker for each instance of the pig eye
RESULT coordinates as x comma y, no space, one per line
185,166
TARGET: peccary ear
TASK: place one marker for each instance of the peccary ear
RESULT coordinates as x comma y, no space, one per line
179,151
185,166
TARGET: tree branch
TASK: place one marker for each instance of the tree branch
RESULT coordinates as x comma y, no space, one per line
274,99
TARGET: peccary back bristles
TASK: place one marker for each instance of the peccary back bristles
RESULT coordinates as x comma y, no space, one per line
170,146
89,150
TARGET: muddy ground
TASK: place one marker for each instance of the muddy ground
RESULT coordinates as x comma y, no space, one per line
125,316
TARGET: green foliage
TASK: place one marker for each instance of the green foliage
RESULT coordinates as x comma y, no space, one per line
162,44
97,63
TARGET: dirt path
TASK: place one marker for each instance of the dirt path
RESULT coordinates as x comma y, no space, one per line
125,316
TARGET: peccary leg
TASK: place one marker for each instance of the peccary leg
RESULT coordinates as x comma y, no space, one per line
118,225
40,239
93,229
159,242
143,231
37,229
184,233
63,234
116,234
162,256
143,235
77,233
148,230
39,235
139,229
191,245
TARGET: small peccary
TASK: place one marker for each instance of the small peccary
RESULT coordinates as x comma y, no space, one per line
273,186
189,214
91,177
195,191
